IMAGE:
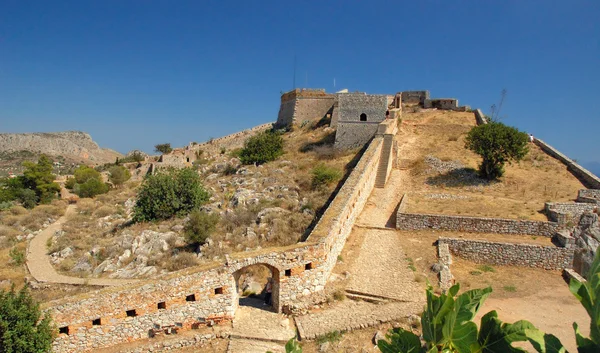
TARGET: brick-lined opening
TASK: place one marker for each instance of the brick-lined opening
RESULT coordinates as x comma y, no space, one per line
219,290
190,298
259,274
131,313
161,305
97,322
64,330
308,266
363,117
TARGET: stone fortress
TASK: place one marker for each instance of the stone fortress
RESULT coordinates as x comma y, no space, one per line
208,295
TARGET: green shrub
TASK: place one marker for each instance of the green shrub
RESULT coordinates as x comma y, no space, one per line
39,178
200,226
168,193
91,188
331,337
70,183
6,205
118,175
28,198
22,328
265,147
323,175
85,173
17,256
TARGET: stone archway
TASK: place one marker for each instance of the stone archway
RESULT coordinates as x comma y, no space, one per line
275,288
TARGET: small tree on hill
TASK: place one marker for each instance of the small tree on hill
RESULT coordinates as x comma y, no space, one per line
118,175
22,328
264,147
200,226
163,148
497,144
39,178
169,193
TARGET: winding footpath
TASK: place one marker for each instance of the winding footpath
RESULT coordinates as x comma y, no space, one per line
40,267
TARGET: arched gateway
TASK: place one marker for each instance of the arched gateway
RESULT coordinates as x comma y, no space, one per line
274,274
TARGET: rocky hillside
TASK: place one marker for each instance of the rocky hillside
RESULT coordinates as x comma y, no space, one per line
71,145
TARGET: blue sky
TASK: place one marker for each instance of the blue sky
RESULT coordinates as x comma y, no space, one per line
137,73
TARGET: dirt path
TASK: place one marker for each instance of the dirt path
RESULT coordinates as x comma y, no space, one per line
38,261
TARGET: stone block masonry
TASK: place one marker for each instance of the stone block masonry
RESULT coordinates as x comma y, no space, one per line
565,212
412,221
413,97
303,104
507,254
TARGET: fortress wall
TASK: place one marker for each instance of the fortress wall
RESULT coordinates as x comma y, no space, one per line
586,177
441,103
286,113
313,108
354,134
507,254
336,223
588,196
411,221
234,137
299,271
412,97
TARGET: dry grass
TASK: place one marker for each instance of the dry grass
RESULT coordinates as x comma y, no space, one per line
519,194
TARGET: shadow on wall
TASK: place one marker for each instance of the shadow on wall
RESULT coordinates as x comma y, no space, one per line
458,178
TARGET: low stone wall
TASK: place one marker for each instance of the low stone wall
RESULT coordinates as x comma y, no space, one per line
507,254
589,196
411,221
412,97
565,212
586,177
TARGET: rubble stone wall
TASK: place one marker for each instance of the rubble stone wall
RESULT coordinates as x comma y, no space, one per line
589,196
412,97
411,221
565,212
510,254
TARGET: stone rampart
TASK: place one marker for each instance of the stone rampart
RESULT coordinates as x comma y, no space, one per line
586,177
441,103
412,221
412,97
589,196
233,137
509,254
209,294
304,104
354,134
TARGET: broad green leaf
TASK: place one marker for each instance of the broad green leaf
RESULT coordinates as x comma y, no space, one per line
400,341
458,331
434,315
544,343
584,345
292,346
496,337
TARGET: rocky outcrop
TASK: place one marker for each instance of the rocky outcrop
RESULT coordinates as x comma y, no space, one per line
587,240
72,144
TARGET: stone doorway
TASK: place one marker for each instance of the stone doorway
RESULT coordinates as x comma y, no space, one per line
251,286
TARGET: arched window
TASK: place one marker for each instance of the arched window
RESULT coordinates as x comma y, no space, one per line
363,117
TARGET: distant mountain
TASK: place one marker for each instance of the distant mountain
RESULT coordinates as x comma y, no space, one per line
593,167
73,145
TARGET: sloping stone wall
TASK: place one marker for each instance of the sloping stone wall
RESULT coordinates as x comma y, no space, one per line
587,177
304,104
480,117
495,253
353,134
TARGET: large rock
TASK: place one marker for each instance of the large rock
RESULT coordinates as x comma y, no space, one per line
587,240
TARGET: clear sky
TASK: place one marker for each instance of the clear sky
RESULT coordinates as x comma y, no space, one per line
137,73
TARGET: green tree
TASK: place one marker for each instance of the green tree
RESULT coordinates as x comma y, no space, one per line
200,226
22,327
265,147
28,198
118,175
497,144
163,148
137,156
39,178
168,193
